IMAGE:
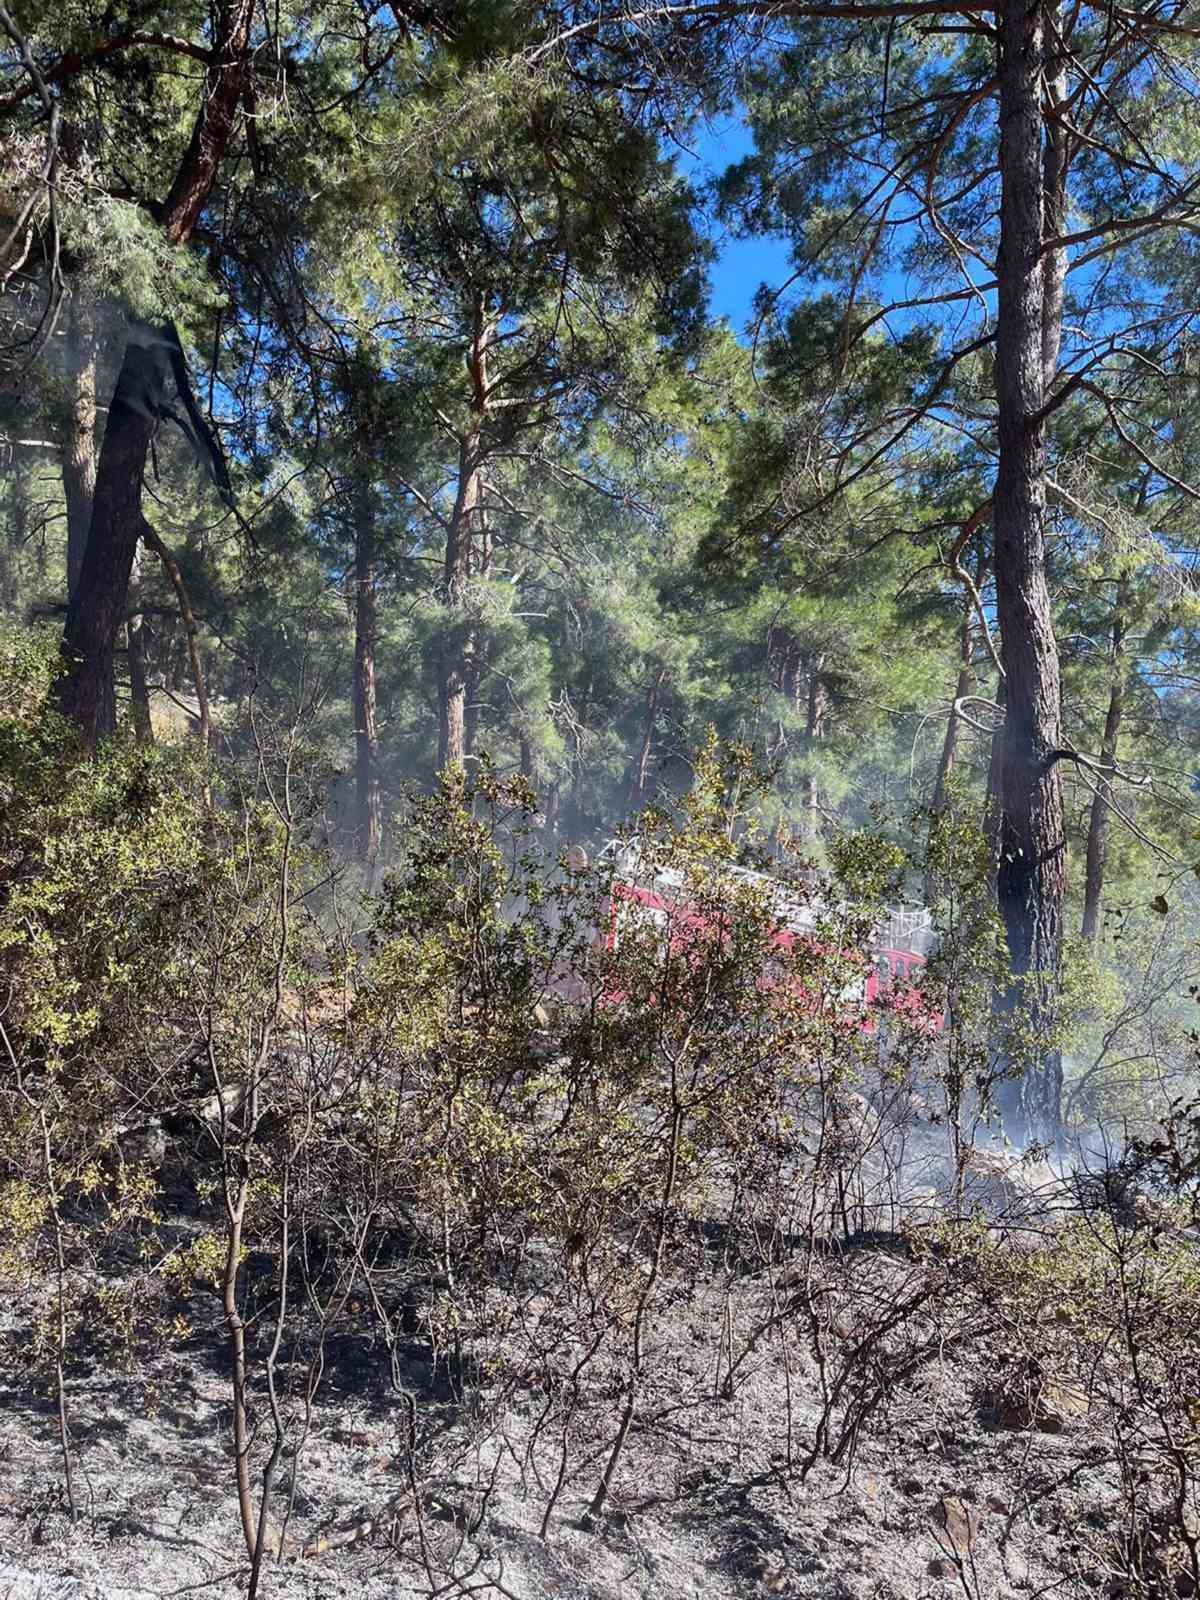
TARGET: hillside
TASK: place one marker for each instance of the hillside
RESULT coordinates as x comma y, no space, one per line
866,1418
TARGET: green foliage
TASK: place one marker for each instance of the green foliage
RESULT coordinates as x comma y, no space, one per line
718,597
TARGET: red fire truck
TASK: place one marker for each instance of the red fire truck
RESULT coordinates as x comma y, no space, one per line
645,894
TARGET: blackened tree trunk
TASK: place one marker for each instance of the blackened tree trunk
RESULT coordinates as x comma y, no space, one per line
1097,839
368,803
97,607
1030,877
79,450
96,611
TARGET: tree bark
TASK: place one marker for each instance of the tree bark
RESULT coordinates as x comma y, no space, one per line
457,657
573,811
641,771
1031,872
1097,839
139,688
99,602
368,804
455,661
964,686
473,647
97,607
79,450
814,731
224,84
16,500
993,804
1055,158
191,630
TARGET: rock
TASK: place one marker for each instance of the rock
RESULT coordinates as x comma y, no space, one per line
956,1525
1058,1405
144,1145
870,1493
230,1098
1001,1184
1017,1567
852,1586
1030,1400
770,1570
272,1537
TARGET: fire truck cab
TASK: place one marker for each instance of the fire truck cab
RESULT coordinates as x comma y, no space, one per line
648,895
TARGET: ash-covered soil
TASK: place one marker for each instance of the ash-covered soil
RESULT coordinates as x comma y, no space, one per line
734,1480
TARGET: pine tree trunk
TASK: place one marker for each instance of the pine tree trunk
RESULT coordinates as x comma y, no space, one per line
1030,878
79,451
96,611
1054,194
457,655
212,130
1097,839
135,634
17,507
993,803
552,809
574,808
191,628
641,771
964,686
455,658
97,607
814,731
473,647
368,804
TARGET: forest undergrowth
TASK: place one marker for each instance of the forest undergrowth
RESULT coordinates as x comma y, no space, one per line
617,1242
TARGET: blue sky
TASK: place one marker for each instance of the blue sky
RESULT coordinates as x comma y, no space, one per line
742,264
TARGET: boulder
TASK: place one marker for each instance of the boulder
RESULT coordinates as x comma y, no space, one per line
1032,1400
1005,1186
955,1526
